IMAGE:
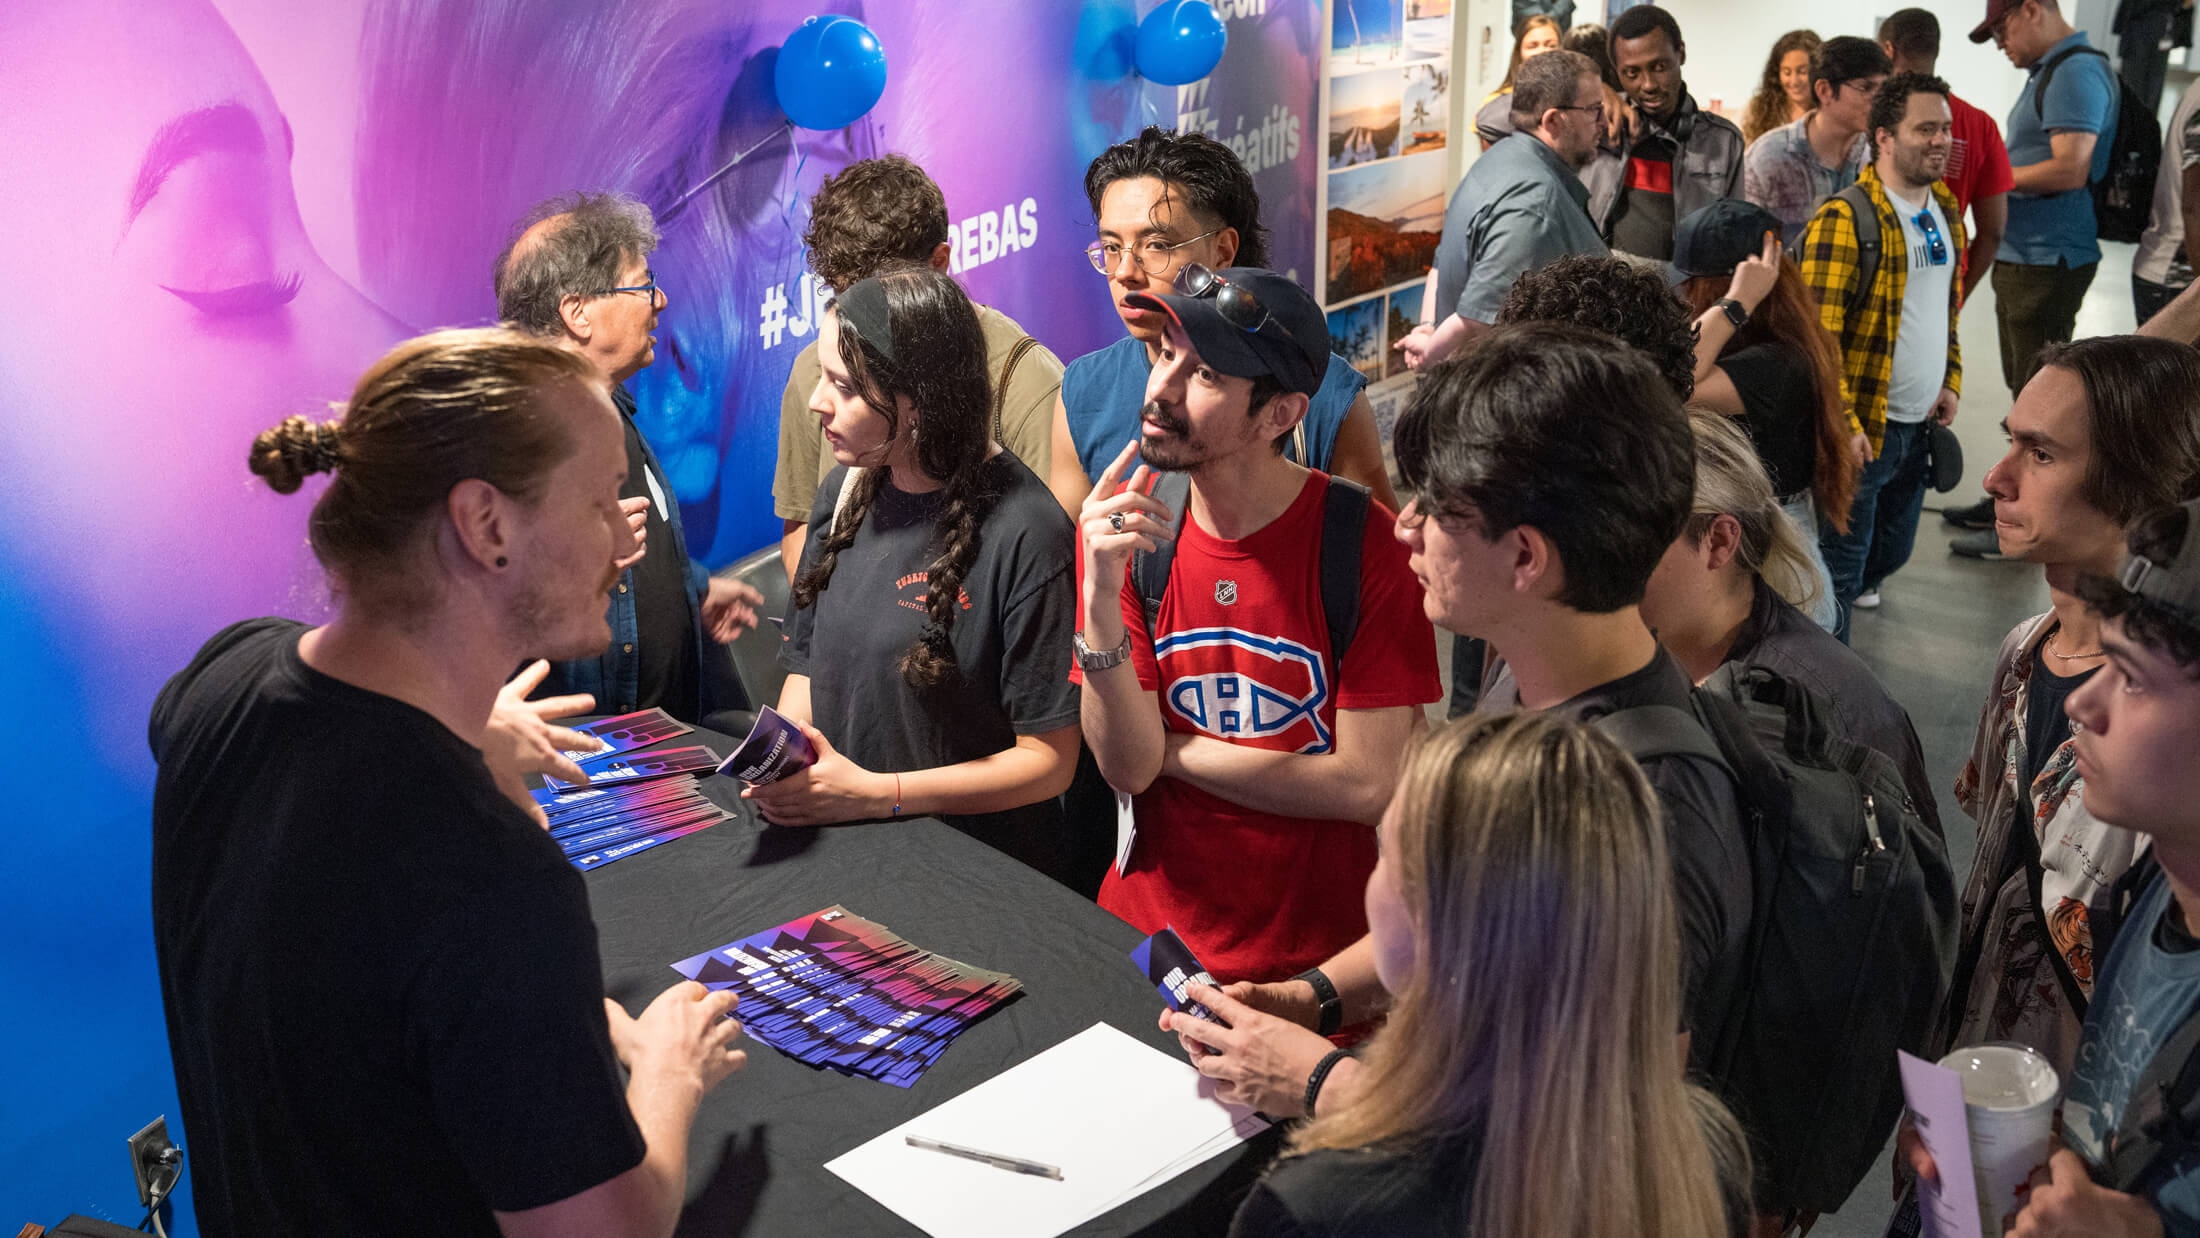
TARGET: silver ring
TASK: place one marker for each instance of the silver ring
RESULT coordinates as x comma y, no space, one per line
1115,521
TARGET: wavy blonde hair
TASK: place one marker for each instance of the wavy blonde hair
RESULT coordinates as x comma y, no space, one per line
1731,481
1539,1015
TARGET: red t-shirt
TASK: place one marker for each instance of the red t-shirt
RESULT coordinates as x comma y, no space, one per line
1259,896
1978,163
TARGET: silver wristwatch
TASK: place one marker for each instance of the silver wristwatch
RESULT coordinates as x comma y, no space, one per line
1088,660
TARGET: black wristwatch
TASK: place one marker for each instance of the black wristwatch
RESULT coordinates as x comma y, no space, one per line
1733,311
1332,1006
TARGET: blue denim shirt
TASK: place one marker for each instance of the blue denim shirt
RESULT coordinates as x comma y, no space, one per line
614,679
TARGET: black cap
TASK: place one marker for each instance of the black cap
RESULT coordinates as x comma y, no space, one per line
1292,344
1714,239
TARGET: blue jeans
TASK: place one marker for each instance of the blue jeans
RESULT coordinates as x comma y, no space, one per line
1882,521
1825,612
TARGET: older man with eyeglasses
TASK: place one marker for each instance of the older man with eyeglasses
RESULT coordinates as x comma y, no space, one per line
1892,307
576,272
1522,205
1164,200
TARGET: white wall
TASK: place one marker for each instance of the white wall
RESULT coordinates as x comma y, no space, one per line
1728,41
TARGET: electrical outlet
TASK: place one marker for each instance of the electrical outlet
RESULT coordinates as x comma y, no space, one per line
154,1160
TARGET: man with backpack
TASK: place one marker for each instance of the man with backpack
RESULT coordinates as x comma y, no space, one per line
2130,1162
1883,257
1257,742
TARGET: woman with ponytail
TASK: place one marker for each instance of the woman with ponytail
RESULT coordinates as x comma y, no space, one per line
1729,589
934,606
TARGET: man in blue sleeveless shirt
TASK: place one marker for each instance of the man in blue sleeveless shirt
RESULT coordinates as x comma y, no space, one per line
1165,200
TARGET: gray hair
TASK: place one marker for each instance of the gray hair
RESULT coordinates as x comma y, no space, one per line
1545,82
582,255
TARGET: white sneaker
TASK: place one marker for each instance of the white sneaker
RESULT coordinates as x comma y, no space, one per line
1867,600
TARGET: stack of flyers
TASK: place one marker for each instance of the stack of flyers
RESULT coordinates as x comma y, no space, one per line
844,993
631,805
774,749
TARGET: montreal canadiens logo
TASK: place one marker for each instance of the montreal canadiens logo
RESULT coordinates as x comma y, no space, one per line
1240,686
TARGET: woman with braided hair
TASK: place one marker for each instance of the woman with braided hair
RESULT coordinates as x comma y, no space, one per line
932,616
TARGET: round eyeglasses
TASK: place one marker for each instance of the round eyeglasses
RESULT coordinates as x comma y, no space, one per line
1151,256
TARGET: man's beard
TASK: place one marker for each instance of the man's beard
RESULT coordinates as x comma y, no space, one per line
532,621
1177,451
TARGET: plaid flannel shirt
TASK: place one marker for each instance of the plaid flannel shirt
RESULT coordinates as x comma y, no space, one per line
1832,264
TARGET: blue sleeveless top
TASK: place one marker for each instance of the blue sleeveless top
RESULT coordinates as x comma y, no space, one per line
1103,391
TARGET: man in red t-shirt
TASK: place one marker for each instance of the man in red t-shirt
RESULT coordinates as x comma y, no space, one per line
1259,766
1978,164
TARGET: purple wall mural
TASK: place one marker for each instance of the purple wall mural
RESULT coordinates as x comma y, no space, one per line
221,212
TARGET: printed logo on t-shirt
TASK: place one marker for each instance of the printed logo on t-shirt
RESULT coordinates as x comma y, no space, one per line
1276,696
1959,151
912,590
1226,592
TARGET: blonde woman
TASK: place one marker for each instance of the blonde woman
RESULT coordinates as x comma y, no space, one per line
1528,1081
1493,123
1784,94
1734,586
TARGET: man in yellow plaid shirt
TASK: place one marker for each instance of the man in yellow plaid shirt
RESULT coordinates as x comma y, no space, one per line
1894,315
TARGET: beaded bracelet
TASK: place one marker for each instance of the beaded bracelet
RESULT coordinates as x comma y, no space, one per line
1321,1074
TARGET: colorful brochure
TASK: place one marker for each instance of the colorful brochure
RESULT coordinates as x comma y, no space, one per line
774,749
636,767
1172,968
627,732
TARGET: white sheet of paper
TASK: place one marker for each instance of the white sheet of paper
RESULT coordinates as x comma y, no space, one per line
1126,833
1935,1097
1116,1116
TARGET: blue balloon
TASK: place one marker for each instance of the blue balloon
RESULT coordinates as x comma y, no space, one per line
1180,42
831,71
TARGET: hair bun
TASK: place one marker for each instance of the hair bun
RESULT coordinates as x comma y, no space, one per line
295,450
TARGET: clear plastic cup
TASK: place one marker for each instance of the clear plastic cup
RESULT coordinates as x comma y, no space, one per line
2009,1095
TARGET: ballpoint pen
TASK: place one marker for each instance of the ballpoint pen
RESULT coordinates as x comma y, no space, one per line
995,1159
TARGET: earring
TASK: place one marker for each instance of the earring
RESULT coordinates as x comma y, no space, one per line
503,562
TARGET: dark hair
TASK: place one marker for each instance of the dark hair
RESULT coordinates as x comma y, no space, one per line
1768,107
1213,182
941,368
1639,21
2159,536
1562,429
1892,102
873,212
596,234
1622,299
1846,58
444,408
1788,318
1913,33
1595,42
2142,400
1545,82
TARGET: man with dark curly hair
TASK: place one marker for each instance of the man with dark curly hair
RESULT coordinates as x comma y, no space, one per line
876,214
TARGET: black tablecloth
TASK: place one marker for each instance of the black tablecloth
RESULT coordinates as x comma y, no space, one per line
756,1159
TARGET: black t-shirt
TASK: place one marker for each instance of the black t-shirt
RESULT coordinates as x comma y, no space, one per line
1779,410
1011,638
666,640
1704,833
384,1001
1364,1193
2046,726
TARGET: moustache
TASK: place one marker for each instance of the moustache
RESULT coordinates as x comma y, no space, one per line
1160,414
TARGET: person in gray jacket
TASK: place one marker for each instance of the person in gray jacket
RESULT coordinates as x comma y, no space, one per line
1672,157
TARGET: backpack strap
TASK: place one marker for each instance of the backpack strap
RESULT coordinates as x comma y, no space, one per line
1000,390
2047,74
1647,731
1869,244
1150,568
1344,532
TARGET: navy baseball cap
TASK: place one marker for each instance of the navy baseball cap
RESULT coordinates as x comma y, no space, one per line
1247,322
1714,239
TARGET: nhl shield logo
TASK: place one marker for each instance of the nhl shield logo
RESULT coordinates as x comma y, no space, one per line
1226,592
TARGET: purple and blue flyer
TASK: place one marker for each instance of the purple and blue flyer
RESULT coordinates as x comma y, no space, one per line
848,994
627,732
774,749
636,768
1172,967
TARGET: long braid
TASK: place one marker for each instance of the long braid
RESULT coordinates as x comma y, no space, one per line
931,661
843,535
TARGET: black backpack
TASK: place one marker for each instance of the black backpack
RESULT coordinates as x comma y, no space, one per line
1868,244
1344,525
2123,200
1852,928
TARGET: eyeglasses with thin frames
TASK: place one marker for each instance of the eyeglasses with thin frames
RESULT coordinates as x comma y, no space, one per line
1151,257
649,289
